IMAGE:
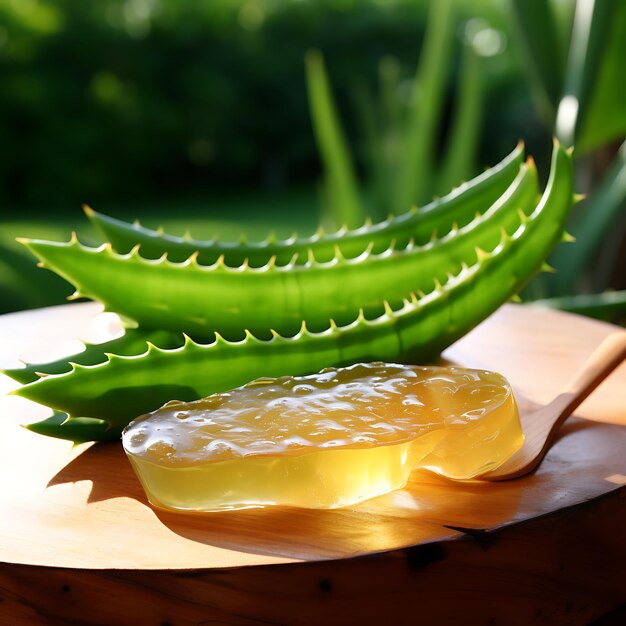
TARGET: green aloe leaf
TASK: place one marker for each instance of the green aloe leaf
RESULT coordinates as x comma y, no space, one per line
609,306
416,169
381,121
373,152
16,271
592,110
603,116
76,429
341,187
460,155
537,31
123,387
591,227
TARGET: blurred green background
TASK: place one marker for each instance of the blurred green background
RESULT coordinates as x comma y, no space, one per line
196,115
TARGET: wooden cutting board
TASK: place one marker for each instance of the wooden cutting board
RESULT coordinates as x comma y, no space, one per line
80,544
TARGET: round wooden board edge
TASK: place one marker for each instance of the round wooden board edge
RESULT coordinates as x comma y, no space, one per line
516,571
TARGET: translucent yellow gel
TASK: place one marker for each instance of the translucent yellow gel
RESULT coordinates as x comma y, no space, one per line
323,441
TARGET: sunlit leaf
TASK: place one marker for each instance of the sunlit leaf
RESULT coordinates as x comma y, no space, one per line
460,153
341,190
536,28
420,140
592,110
604,116
591,227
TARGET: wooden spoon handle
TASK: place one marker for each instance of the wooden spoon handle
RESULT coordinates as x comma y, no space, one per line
603,360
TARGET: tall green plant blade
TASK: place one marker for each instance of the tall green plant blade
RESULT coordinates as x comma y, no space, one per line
373,148
389,80
342,190
603,117
593,22
460,154
609,306
591,227
536,28
416,169
391,123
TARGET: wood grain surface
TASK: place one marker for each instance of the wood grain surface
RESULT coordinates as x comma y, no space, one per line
80,544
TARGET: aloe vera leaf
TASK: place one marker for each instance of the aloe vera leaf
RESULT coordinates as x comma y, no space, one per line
459,206
124,387
389,81
608,306
12,294
392,121
591,227
16,271
592,23
76,429
133,342
460,152
200,299
374,141
345,206
537,31
415,173
602,117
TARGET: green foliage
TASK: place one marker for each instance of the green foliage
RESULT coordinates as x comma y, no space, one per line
459,161
224,299
22,285
593,97
458,208
416,166
477,282
603,113
609,306
343,205
107,103
539,38
593,224
105,100
591,111
402,140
